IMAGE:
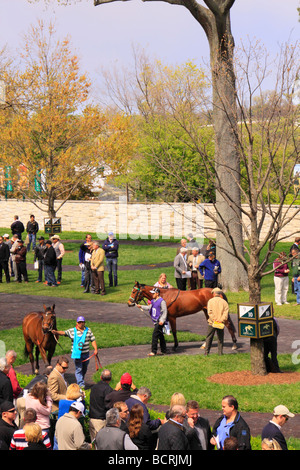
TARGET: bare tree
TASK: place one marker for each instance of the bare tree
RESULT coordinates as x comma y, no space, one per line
215,20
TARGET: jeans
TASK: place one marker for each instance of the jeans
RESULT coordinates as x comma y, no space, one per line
59,269
49,275
297,289
40,270
112,265
81,369
32,239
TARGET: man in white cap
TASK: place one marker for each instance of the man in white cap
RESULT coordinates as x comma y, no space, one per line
272,430
68,432
60,251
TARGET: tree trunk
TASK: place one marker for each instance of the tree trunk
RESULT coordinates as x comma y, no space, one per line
258,365
51,209
227,159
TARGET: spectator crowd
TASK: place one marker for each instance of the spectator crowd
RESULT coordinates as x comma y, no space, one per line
50,414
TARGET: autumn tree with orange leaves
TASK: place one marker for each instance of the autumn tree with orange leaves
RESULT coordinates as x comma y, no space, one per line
49,128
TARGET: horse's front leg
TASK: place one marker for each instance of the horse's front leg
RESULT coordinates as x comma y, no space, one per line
29,348
172,322
37,366
44,357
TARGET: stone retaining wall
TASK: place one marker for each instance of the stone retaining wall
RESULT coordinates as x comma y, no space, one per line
137,220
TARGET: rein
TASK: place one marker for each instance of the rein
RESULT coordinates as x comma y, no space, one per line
138,289
178,292
97,361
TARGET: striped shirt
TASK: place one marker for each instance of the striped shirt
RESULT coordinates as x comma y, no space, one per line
89,338
19,442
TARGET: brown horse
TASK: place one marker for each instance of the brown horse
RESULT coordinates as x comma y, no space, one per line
37,331
179,304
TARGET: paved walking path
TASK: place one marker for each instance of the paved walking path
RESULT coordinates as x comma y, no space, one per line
13,308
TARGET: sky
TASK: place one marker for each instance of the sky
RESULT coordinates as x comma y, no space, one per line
106,34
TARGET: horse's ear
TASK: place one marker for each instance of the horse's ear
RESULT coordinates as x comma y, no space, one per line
45,308
53,307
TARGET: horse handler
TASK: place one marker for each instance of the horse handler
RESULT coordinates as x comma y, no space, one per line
217,309
80,336
158,313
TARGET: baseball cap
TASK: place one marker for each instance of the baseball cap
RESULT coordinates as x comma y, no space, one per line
282,410
6,235
79,406
6,406
80,319
155,290
126,379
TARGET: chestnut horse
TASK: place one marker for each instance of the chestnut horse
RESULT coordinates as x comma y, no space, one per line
179,304
37,331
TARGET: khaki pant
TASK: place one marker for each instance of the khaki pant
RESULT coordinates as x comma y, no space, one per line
94,426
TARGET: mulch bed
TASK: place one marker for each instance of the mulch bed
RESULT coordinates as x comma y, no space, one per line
245,377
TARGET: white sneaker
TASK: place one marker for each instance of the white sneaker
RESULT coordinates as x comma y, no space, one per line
278,304
286,303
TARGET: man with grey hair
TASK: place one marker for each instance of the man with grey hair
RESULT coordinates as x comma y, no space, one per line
98,409
142,397
6,390
111,437
181,268
171,436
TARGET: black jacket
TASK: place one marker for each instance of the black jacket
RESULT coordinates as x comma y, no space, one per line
97,399
240,430
50,257
271,431
4,252
6,391
32,227
17,227
171,436
6,434
39,252
145,440
111,248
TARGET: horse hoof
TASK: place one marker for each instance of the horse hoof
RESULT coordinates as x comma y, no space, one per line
203,346
36,372
234,347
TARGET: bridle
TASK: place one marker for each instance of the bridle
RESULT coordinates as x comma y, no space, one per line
138,295
53,317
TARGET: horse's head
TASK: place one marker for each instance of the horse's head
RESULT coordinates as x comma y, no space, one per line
48,319
136,294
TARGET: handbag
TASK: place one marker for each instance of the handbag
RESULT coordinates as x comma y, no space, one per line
218,325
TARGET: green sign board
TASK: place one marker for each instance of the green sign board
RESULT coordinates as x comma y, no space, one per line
248,329
255,320
52,225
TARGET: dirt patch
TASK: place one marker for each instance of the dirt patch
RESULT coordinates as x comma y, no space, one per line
245,377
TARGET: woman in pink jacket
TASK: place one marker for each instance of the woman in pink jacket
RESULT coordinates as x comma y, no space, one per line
40,400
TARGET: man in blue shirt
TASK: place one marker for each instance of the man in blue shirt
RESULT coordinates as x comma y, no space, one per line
231,424
212,268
